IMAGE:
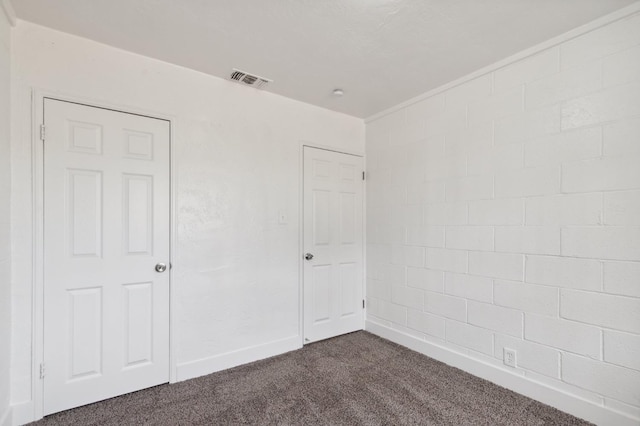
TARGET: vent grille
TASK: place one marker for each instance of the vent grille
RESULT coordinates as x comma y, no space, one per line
249,79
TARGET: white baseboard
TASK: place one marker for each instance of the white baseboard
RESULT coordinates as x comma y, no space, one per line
205,366
5,418
559,399
22,413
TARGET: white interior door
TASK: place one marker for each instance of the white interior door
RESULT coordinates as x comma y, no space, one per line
333,244
106,227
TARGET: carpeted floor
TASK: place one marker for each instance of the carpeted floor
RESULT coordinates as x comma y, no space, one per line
357,379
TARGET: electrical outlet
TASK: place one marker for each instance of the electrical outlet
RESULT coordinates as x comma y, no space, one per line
282,217
509,357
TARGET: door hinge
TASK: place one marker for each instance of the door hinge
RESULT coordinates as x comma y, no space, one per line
42,132
362,303
362,175
42,371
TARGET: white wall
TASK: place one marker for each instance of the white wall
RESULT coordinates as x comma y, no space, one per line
5,229
237,154
505,212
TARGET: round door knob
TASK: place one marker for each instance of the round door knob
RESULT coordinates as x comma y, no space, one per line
161,267
308,256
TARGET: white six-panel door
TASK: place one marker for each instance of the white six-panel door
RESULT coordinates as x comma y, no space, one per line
106,227
333,244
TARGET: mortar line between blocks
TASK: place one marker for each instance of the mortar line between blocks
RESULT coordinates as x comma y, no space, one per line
602,345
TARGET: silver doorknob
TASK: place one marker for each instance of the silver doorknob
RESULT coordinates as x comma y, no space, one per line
161,267
308,256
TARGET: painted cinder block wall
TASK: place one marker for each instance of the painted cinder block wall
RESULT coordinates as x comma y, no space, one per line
5,213
237,166
505,212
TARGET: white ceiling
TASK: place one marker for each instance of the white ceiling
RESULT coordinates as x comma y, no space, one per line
381,52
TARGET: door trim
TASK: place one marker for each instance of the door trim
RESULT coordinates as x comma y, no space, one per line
37,181
303,145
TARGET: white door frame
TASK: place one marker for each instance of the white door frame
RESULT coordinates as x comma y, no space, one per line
304,144
37,180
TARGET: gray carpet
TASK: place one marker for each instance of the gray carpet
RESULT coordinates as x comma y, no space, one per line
357,379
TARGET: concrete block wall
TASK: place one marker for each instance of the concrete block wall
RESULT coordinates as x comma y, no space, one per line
235,276
505,212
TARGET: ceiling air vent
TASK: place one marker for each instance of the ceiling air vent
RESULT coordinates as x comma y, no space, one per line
249,79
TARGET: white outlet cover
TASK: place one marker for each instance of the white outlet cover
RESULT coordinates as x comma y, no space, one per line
282,217
509,357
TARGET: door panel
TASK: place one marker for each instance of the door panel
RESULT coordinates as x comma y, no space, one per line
106,226
321,217
84,212
348,218
333,234
138,218
138,323
321,293
85,328
348,287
